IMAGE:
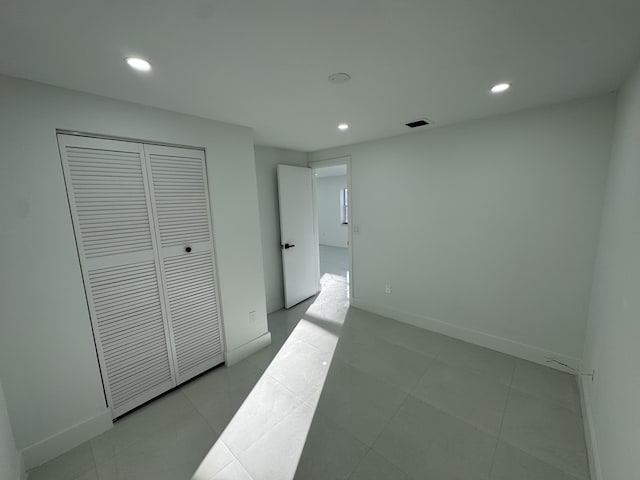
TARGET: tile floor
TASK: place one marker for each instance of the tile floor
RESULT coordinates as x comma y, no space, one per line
334,260
345,394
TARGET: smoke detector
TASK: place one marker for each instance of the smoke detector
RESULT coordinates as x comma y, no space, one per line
339,78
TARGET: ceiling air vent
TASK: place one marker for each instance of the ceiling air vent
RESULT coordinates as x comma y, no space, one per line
418,123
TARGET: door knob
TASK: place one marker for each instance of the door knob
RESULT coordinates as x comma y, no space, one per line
188,249
287,246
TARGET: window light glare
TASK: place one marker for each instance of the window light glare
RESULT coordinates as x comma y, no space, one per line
500,87
343,126
139,64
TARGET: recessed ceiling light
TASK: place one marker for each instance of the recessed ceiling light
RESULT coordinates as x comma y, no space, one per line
343,126
500,87
138,63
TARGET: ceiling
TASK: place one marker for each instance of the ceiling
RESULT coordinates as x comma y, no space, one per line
264,63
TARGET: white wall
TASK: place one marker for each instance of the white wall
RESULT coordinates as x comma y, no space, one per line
47,357
613,332
266,161
331,231
10,459
486,230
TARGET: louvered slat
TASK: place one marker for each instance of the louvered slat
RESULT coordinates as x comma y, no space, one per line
180,198
124,305
109,196
195,329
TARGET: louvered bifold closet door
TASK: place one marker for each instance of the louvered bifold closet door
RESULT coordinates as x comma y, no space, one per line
181,206
110,206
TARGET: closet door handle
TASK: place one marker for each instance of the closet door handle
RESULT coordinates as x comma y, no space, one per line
188,249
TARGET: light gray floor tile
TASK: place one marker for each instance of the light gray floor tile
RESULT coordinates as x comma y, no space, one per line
221,407
240,377
233,471
334,260
319,333
330,452
369,322
103,445
511,463
283,322
275,455
216,459
104,472
244,375
429,443
149,421
301,367
190,448
359,402
268,404
375,467
137,464
473,357
264,357
200,390
68,466
468,395
387,361
90,475
416,339
547,431
171,453
547,383
107,470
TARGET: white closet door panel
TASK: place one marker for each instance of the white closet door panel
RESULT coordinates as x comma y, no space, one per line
108,189
111,211
196,333
181,206
180,195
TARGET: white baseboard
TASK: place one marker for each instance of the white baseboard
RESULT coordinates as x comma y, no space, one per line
243,351
589,429
500,344
49,448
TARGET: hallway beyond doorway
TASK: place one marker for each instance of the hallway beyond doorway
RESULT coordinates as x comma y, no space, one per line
334,260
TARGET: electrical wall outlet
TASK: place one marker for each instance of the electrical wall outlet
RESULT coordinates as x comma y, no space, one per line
252,316
387,288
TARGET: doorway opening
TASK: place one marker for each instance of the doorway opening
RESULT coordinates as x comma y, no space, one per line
333,218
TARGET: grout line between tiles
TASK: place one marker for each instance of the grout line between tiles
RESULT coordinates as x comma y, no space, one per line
504,412
236,459
388,422
355,468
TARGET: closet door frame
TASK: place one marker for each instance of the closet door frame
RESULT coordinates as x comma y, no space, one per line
178,151
91,140
133,147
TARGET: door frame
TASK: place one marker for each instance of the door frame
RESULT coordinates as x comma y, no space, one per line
146,173
332,162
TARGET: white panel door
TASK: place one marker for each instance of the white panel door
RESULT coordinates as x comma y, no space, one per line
181,207
111,211
297,234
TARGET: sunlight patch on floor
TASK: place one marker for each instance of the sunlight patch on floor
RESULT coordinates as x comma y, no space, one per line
265,438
